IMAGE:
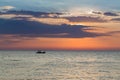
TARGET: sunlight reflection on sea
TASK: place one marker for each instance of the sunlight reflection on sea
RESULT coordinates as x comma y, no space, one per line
60,65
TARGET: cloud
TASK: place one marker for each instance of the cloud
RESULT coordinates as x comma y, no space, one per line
25,28
115,19
97,12
48,18
6,8
110,14
11,16
51,21
10,38
7,16
114,32
106,13
33,13
85,19
32,25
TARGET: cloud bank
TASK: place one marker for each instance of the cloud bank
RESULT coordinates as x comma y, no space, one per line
49,18
40,24
35,29
115,19
86,19
110,14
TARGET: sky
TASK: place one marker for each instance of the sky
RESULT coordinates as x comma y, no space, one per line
60,24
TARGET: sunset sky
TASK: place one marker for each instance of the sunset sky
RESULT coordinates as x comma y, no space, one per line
60,24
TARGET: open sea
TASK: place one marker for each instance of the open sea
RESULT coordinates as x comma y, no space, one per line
60,65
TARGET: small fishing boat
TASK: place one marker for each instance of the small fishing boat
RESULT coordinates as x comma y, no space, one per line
40,52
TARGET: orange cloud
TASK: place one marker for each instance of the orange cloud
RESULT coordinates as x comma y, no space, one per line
51,21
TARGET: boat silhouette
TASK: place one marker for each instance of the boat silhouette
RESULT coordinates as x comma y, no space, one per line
40,52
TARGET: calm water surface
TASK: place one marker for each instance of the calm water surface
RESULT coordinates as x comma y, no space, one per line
60,65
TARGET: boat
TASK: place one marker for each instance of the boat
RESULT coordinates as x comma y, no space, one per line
40,52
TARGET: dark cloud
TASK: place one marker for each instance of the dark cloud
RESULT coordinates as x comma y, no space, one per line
95,12
24,28
54,15
115,19
113,32
85,19
110,14
33,13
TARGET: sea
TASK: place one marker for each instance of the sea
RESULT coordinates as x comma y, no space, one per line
60,65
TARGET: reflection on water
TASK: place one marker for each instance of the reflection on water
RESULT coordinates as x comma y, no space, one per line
60,65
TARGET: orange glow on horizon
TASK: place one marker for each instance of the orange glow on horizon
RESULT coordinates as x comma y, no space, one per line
64,44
